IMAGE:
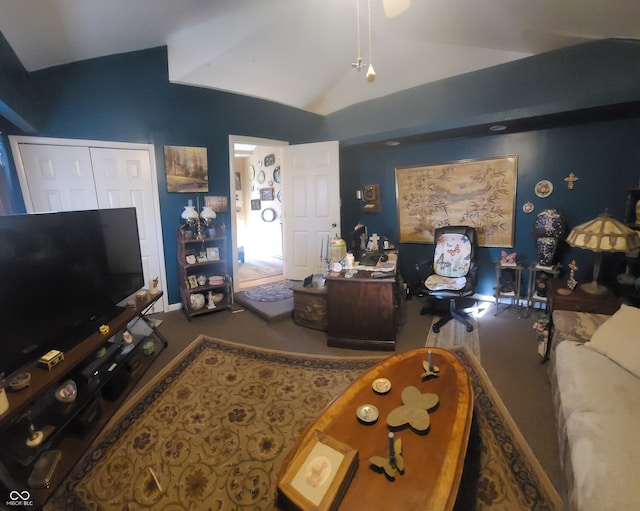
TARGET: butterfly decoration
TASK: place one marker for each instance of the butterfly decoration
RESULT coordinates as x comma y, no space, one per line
394,463
508,258
429,371
454,251
414,410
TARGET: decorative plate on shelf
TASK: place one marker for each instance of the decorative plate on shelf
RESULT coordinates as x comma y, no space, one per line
544,188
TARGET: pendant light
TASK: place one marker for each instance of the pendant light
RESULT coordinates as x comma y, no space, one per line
371,74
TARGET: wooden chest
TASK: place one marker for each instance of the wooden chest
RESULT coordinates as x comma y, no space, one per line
310,306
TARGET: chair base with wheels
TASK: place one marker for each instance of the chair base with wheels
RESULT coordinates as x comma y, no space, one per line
454,313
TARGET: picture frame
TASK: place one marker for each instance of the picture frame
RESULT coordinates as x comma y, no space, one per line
218,203
479,193
269,160
213,254
319,474
193,281
238,181
186,169
191,259
266,193
255,205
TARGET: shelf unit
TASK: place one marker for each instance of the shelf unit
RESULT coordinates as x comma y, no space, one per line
513,296
200,258
532,295
105,369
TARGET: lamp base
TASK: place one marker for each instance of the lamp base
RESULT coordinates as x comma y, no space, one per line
593,288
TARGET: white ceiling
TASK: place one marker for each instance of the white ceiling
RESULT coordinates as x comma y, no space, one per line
299,52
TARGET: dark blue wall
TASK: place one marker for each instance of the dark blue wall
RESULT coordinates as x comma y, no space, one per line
604,156
574,110
128,98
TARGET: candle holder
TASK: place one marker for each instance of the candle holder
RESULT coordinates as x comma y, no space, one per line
394,464
430,370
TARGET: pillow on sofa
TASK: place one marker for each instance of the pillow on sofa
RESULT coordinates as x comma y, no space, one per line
618,338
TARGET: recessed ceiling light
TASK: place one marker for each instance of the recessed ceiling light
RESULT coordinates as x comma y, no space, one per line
498,127
392,143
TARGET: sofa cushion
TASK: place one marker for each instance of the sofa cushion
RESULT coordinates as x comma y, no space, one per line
600,405
619,338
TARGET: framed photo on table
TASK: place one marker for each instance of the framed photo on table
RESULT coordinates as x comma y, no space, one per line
319,474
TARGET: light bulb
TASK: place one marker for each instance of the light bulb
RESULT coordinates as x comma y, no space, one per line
371,74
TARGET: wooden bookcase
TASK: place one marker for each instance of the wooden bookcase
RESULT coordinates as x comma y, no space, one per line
199,259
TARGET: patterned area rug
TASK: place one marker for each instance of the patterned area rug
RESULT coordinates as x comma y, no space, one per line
254,270
270,292
211,431
454,334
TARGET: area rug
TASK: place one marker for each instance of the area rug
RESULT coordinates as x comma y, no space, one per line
270,292
256,269
454,334
211,432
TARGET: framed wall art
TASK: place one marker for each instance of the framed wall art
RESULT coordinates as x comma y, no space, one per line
186,169
266,193
479,193
255,205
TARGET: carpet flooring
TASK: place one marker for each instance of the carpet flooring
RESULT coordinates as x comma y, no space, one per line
454,333
210,431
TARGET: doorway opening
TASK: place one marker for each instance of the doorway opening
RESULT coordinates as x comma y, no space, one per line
257,223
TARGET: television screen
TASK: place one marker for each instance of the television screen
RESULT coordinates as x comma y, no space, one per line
61,277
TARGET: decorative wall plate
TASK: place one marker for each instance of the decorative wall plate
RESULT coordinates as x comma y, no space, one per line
261,177
269,215
528,207
276,174
252,173
544,188
279,195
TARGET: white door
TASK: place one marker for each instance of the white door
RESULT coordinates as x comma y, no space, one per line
71,175
58,178
310,205
123,178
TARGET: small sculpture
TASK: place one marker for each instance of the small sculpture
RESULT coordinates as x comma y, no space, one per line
508,258
414,410
394,463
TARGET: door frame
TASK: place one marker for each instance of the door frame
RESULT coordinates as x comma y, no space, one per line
15,140
240,139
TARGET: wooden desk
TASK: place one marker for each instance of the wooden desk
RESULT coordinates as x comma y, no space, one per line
433,461
363,312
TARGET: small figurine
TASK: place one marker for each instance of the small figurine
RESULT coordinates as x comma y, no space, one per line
508,258
153,286
394,463
571,283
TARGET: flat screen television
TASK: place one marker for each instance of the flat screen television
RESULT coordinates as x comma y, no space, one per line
62,275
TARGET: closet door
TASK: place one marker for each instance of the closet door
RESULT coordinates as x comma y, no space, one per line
77,175
58,178
123,179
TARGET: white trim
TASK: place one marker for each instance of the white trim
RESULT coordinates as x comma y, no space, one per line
15,140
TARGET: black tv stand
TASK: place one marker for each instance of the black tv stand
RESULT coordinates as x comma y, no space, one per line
104,368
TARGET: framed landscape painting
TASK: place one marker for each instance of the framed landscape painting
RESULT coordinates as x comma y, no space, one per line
186,168
477,193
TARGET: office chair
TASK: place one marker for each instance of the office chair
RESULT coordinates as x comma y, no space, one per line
452,274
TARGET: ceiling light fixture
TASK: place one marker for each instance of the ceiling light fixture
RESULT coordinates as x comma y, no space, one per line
371,74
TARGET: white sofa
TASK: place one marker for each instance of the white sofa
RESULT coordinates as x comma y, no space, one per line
595,377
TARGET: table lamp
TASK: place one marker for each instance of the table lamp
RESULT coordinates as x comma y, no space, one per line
603,234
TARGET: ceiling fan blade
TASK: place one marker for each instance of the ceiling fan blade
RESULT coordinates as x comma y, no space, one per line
393,8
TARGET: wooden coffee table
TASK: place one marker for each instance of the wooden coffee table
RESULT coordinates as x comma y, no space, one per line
433,460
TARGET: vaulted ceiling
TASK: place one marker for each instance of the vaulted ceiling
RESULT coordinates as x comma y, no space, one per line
300,52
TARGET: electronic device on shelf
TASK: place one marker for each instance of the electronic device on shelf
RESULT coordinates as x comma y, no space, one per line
63,275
